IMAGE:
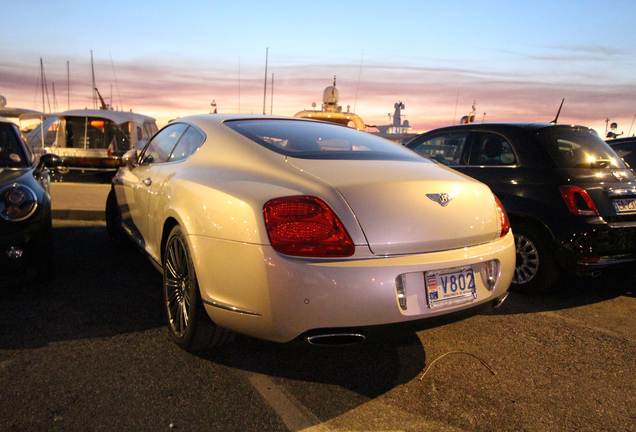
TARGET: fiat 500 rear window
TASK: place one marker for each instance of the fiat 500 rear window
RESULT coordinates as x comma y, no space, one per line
580,148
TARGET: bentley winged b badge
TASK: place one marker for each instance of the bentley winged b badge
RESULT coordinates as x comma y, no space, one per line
441,198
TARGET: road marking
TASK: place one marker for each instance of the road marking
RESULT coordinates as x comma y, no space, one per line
297,418
583,324
294,414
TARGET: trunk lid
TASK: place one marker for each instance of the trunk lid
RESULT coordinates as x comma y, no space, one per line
400,206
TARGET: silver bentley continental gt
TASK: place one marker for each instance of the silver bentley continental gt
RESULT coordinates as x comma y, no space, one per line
281,228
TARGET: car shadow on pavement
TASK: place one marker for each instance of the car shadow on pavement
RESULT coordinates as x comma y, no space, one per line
369,368
97,290
571,292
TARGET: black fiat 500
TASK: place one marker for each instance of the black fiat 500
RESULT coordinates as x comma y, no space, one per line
25,209
570,199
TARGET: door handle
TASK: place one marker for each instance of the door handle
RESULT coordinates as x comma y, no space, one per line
147,181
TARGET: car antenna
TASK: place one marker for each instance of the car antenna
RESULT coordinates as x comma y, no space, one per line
558,112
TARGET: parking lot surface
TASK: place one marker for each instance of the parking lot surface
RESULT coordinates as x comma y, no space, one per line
88,350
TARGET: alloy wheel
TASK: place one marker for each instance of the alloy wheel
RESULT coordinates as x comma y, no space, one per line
177,286
527,264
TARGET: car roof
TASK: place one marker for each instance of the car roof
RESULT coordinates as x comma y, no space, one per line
512,125
220,118
624,140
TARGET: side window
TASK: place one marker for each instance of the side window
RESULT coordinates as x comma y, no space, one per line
50,134
11,154
159,148
490,149
190,141
448,148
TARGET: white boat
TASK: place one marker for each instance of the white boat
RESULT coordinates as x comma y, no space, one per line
90,141
398,131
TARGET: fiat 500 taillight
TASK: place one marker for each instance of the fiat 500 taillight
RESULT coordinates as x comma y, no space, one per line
306,226
578,201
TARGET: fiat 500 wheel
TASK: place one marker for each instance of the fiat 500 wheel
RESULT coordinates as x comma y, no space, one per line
190,326
535,269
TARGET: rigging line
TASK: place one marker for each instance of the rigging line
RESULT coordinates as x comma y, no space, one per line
239,84
37,88
630,126
355,101
271,108
121,105
45,88
54,97
93,74
456,103
265,82
68,85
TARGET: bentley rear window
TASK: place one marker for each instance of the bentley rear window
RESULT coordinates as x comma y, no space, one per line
315,140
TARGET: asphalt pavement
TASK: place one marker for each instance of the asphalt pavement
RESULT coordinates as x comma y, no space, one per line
88,349
79,201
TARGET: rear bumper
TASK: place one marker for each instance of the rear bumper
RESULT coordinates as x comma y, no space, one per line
596,247
394,331
253,290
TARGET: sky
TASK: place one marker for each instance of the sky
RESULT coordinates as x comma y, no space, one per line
516,61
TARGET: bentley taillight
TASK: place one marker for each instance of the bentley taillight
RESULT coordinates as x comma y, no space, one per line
578,201
306,226
503,218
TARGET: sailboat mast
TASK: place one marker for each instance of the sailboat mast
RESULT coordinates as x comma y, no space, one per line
68,85
42,79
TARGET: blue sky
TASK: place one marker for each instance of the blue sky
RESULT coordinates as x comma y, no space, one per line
517,60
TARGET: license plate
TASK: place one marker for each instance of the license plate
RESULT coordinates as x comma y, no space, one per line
625,205
451,286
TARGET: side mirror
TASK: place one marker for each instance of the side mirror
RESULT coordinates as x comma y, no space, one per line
50,160
130,158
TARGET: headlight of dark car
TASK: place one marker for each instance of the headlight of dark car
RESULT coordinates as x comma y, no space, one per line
17,202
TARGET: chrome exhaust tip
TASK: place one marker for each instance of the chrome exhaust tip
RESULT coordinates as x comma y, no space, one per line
499,300
335,339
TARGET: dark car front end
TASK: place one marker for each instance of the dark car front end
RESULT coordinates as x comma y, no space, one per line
25,233
25,210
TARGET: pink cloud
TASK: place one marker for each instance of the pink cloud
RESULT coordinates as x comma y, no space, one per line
434,97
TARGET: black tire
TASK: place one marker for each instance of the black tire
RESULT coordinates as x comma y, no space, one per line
189,324
114,229
535,269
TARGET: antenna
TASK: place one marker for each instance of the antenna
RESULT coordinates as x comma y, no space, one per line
558,112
